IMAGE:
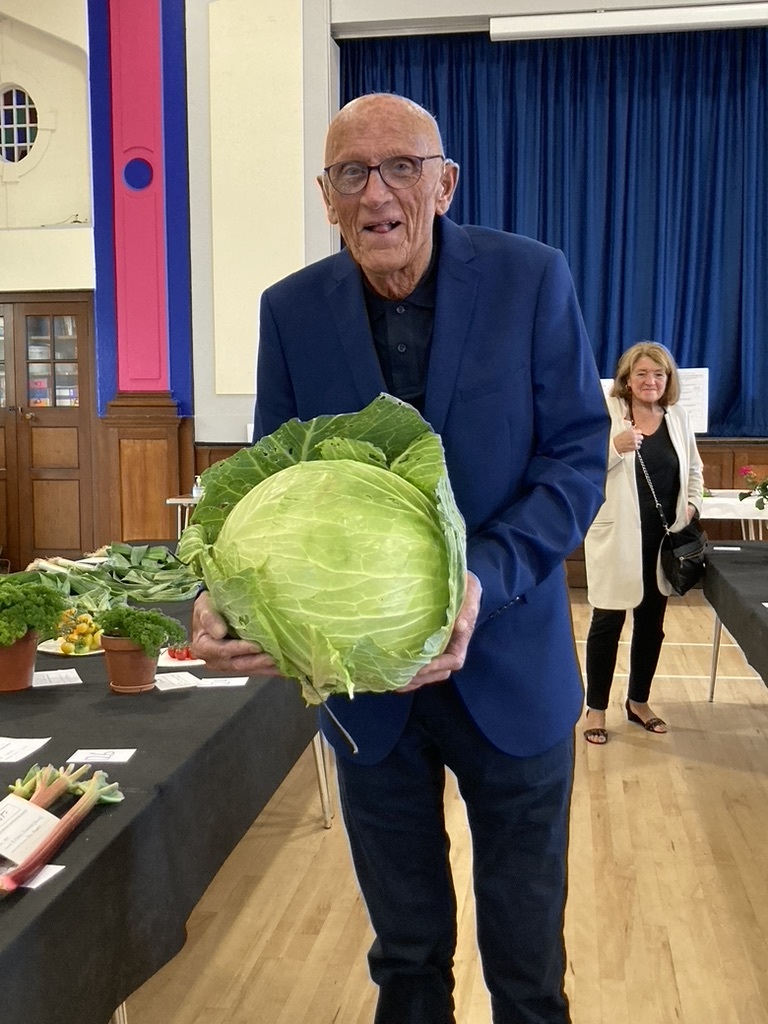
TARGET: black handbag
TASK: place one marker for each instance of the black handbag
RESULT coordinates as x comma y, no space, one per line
683,552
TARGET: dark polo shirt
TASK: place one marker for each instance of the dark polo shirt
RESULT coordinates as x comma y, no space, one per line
402,334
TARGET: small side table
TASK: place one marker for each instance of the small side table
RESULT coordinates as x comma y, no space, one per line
184,504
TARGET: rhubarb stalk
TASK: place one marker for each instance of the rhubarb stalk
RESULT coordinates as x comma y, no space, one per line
94,790
52,784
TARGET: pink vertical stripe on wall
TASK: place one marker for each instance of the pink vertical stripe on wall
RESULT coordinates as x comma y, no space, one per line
139,218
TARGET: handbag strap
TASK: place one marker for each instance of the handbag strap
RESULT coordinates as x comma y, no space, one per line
656,502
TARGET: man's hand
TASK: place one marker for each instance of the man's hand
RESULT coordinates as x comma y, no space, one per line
221,653
454,655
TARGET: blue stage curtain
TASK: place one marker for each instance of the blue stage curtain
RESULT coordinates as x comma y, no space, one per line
642,157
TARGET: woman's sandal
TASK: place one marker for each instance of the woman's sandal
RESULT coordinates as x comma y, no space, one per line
596,736
652,725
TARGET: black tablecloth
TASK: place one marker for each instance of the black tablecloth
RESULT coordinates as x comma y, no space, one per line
206,763
736,584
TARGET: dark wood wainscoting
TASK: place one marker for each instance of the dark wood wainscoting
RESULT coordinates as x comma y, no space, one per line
145,455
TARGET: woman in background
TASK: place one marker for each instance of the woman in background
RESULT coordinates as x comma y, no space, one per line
622,546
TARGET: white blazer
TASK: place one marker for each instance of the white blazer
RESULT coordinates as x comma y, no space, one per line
613,544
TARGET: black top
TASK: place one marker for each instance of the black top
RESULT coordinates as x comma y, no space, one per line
402,334
663,467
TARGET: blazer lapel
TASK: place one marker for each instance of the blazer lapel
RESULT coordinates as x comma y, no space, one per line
456,292
347,305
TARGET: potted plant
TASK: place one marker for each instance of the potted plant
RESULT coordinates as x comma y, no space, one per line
132,639
29,611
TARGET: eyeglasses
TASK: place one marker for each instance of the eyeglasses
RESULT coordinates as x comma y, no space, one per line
350,177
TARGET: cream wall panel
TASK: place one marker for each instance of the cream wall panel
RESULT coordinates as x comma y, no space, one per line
38,260
301,44
63,18
257,169
51,186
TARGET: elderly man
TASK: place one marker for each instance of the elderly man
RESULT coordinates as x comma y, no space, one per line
481,331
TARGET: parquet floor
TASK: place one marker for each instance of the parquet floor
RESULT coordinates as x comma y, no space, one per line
667,917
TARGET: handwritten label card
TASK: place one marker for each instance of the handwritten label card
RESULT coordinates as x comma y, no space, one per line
16,750
176,681
93,755
23,826
60,677
204,684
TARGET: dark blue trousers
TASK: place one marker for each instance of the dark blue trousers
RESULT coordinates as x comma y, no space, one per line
518,816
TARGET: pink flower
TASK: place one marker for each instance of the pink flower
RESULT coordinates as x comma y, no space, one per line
746,471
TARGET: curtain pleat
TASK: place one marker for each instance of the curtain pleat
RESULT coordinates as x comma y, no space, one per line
642,157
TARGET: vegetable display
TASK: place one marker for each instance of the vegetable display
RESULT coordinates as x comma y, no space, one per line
145,573
28,606
149,630
336,544
80,634
44,787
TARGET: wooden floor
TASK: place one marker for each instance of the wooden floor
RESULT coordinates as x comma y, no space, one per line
667,917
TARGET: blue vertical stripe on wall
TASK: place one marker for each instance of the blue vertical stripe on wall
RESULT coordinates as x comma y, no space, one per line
173,49
105,315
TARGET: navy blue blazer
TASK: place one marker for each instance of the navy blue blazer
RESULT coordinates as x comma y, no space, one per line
513,391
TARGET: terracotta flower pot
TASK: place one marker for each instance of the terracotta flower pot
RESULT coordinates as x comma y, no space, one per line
17,663
130,670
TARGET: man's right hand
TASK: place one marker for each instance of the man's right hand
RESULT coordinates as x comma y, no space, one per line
222,653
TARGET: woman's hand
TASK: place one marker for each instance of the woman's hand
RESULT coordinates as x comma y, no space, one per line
691,511
628,440
220,652
454,655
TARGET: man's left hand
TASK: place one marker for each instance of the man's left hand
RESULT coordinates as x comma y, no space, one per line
454,655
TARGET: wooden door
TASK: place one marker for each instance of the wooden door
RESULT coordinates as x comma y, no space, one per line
9,510
48,411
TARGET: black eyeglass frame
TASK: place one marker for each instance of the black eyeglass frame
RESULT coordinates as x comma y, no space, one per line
377,167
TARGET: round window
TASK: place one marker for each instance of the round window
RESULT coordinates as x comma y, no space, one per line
18,124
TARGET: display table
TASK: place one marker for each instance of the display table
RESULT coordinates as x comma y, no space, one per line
728,505
206,763
736,585
183,503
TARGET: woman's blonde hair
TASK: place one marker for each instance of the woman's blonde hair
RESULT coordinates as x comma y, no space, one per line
661,356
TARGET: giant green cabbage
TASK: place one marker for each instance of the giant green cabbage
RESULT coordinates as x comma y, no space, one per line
336,544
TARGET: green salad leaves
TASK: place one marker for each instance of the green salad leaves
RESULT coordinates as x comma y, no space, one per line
336,544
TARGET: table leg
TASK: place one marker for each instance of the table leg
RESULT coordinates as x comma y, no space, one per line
321,767
715,655
120,1016
178,521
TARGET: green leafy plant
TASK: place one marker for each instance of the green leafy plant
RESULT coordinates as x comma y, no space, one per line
149,630
26,606
336,544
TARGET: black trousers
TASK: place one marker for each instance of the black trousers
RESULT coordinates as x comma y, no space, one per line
518,816
647,637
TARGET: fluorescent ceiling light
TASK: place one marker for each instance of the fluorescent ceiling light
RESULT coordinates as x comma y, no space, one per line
629,22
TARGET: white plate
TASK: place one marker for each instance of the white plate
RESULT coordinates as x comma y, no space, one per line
54,647
166,661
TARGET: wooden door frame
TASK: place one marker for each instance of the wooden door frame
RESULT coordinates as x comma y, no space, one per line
51,303
9,471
